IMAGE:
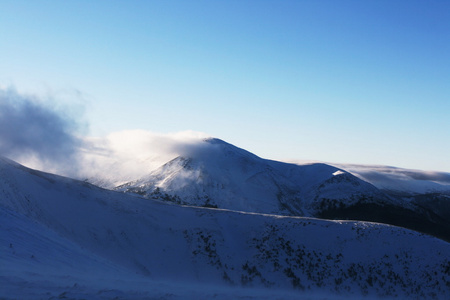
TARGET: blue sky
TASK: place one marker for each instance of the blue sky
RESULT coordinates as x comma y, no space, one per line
340,81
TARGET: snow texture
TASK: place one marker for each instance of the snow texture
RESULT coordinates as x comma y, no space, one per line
218,174
65,238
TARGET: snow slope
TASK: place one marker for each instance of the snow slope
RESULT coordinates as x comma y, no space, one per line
37,263
92,232
218,174
213,173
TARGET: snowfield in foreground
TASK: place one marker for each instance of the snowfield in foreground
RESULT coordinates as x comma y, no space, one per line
66,238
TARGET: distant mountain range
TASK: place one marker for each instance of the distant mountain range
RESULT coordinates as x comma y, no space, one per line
63,238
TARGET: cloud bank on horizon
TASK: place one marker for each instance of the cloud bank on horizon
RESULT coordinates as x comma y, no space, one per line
398,179
43,137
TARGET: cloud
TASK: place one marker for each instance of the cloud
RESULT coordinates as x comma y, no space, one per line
128,155
441,177
393,173
142,143
44,137
36,134
398,179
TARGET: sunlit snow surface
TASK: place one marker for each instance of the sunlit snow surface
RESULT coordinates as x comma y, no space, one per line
217,174
65,238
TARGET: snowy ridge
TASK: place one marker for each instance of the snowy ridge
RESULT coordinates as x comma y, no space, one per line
421,189
218,174
202,247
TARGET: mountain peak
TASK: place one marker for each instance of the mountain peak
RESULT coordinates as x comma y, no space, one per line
215,141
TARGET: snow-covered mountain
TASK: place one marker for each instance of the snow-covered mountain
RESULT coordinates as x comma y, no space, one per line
66,238
425,190
219,175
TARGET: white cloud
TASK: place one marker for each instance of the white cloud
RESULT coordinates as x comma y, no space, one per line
130,154
36,134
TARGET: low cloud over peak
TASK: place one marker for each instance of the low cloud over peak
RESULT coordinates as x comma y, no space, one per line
130,154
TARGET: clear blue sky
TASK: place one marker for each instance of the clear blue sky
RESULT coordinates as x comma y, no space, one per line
340,81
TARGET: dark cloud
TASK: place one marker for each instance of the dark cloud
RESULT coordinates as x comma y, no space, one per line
28,128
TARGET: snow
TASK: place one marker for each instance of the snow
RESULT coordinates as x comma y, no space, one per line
215,173
339,172
66,238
